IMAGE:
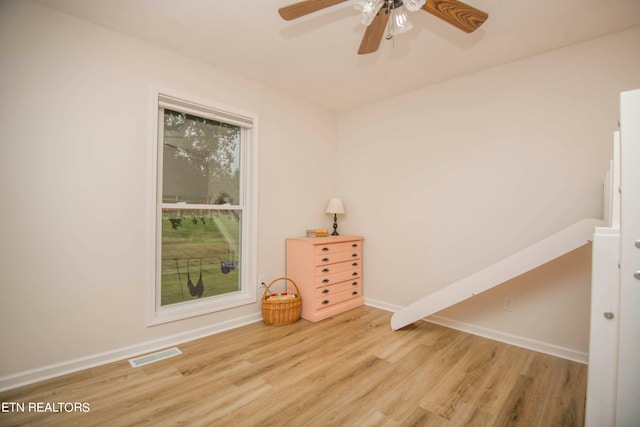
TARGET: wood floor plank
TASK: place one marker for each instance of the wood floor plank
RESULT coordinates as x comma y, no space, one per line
348,370
421,417
414,381
514,411
500,379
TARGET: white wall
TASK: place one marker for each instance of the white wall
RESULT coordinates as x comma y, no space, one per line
75,183
448,179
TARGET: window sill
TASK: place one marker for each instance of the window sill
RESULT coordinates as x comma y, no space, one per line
190,309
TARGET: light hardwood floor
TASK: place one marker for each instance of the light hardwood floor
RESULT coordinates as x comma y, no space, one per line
349,370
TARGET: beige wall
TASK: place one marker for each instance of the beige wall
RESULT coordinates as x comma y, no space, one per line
75,114
449,179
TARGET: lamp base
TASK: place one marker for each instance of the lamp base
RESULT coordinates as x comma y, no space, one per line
335,225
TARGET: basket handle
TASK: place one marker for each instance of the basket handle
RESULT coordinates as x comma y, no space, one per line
264,296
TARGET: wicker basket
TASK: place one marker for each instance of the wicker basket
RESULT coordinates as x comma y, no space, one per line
281,312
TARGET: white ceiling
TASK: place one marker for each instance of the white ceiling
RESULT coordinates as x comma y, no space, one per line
314,57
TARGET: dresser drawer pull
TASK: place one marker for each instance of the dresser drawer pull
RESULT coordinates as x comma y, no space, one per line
325,249
325,302
354,255
355,245
325,281
325,270
325,259
354,284
355,273
354,293
326,291
355,264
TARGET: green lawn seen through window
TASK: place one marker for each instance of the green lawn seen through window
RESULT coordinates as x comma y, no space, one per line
199,244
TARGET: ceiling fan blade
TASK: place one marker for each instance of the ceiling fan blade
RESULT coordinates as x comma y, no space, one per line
306,7
374,32
456,13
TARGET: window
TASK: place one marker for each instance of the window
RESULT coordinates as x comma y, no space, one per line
205,242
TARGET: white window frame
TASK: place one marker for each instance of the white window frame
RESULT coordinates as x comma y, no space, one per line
248,122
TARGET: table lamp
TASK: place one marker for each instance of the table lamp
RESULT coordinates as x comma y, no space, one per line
335,207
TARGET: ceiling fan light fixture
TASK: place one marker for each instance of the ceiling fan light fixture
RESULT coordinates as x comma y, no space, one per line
369,9
414,5
401,23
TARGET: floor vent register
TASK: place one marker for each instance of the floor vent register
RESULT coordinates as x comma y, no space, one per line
154,357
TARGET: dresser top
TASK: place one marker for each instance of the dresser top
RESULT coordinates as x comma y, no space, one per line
329,239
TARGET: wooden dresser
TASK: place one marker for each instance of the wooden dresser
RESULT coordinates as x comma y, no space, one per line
328,272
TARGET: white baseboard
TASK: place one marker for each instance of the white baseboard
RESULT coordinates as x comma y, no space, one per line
382,305
39,374
528,343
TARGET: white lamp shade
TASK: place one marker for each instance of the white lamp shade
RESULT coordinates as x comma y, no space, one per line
335,206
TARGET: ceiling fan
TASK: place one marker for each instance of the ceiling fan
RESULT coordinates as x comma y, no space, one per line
389,16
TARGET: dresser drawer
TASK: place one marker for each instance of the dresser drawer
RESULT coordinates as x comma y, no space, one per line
342,276
337,298
337,268
331,248
329,291
334,257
